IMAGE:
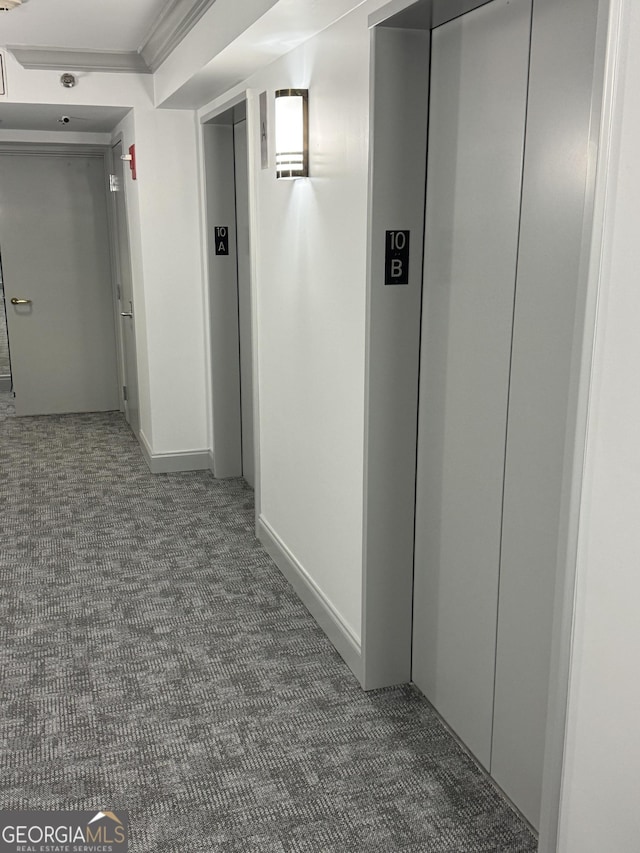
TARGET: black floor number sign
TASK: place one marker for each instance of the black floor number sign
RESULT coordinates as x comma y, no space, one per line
396,257
222,240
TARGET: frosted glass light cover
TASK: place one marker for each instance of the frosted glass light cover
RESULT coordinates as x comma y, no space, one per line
292,148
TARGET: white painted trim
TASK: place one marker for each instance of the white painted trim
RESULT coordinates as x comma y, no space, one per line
53,149
54,137
173,463
67,59
113,255
316,602
178,18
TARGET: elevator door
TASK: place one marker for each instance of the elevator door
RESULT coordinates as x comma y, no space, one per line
478,97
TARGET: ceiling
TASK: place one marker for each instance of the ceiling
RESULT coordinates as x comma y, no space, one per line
83,119
92,25
118,25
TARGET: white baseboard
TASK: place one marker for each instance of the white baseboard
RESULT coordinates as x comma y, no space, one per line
173,463
313,598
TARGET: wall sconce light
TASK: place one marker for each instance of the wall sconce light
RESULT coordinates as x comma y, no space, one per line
292,133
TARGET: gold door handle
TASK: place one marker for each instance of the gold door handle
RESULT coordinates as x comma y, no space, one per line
15,301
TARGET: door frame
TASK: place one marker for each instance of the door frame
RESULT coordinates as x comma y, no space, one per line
392,334
80,149
116,258
225,458
6,382
109,161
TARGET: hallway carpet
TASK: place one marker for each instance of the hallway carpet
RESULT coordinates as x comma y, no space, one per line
7,404
153,659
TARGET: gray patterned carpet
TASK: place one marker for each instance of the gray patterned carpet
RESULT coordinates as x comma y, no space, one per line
153,659
7,404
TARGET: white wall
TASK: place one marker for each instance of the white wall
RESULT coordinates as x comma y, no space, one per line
311,318
311,322
599,807
163,207
168,202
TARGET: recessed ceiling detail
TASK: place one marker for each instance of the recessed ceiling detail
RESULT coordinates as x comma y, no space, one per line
51,117
164,33
61,59
8,5
120,25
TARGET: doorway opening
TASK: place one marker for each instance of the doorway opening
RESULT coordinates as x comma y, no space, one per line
471,392
226,154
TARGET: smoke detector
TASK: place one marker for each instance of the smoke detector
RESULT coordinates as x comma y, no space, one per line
8,5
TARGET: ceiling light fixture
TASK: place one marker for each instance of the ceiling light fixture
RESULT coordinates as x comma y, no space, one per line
8,5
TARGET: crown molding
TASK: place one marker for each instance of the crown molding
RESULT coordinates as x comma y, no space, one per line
176,20
63,59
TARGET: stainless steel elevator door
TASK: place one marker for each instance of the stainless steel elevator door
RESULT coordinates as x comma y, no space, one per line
479,77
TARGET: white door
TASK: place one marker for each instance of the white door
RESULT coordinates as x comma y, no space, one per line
126,311
478,98
54,240
244,299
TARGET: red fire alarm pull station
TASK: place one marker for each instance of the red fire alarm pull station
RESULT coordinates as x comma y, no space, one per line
131,158
132,162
